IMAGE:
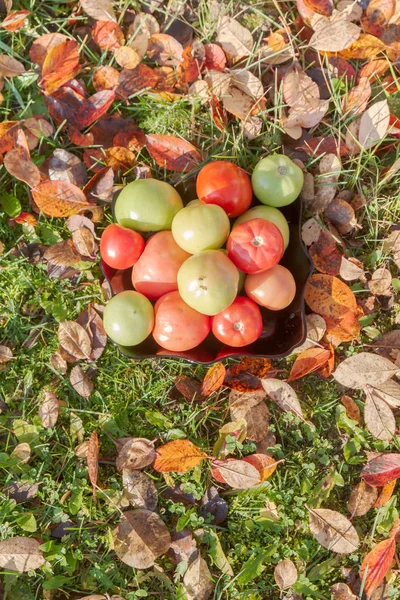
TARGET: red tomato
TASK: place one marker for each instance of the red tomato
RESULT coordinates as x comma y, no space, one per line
223,183
156,272
255,246
120,247
238,325
178,327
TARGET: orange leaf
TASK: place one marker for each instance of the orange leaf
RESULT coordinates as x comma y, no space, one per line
367,46
120,158
15,20
379,11
329,297
385,494
107,35
308,361
189,69
327,369
264,463
172,153
178,456
43,45
105,78
8,134
58,198
126,57
378,561
132,81
246,376
21,167
374,69
344,329
322,7
213,379
94,107
325,255
92,460
60,65
357,100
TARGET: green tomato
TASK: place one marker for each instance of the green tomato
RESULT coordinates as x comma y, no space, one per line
147,205
128,318
269,213
200,226
208,282
277,180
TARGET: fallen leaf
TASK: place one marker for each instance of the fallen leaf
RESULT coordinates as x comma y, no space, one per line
140,489
316,328
335,33
74,340
219,83
388,344
245,376
126,57
378,562
120,158
308,361
264,463
236,40
105,78
237,474
326,257
140,538
251,407
283,395
65,165
83,241
135,454
213,504
49,410
59,66
285,574
172,153
59,198
382,470
15,20
312,228
341,214
197,580
379,12
132,81
378,417
238,103
362,499
333,531
389,392
326,182
380,283
178,456
364,369
165,50
22,453
10,66
357,100
22,168
21,554
108,35
81,382
62,254
189,388
5,354
374,124
92,460
385,494
329,297
100,186
8,134
233,430
100,10
21,491
215,58
93,324
94,107
352,410
341,591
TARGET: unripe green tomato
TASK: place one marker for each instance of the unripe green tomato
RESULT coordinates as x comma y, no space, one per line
208,282
147,205
200,226
277,180
128,318
269,213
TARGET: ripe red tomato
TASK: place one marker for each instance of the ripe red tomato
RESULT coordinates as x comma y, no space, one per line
223,183
255,246
238,325
120,247
178,327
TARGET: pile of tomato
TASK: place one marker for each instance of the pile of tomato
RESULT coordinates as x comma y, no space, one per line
208,266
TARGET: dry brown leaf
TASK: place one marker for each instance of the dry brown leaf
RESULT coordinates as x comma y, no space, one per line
68,167
312,228
385,494
363,369
5,354
108,35
362,499
316,328
389,392
165,50
93,324
178,456
135,454
126,57
21,554
300,91
236,40
74,340
105,78
283,395
22,453
285,574
238,474
333,531
251,407
81,382
341,214
380,283
62,254
49,410
238,103
100,10
246,82
197,580
22,168
219,83
213,379
335,33
10,66
374,124
378,417
140,538
140,490
307,117
326,182
84,242
352,410
341,591
92,459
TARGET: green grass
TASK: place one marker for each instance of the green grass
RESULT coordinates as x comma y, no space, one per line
321,462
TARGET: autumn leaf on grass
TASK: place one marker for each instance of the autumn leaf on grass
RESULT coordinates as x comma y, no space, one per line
15,20
92,460
22,168
246,375
21,554
308,361
264,463
139,489
8,134
10,66
236,40
326,257
357,99
5,354
333,531
236,473
136,453
107,35
362,499
60,65
100,10
334,33
178,456
105,78
251,407
197,580
81,382
284,396
94,107
93,324
235,431
374,124
382,470
329,297
378,417
172,153
213,379
132,81
341,591
57,198
74,340
364,369
352,410
385,494
49,409
376,564
285,574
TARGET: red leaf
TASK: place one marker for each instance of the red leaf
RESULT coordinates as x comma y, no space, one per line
189,68
382,469
15,20
94,107
172,153
64,105
215,57
135,80
308,361
378,562
80,139
341,67
108,35
322,7
100,186
21,167
60,65
321,145
43,45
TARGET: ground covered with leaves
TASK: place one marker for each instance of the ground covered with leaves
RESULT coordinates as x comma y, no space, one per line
251,479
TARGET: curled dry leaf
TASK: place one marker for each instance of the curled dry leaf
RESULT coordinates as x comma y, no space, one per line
92,459
49,409
352,410
326,182
81,381
140,490
364,369
100,10
15,20
197,580
62,254
309,361
285,574
140,538
178,456
362,499
378,417
59,198
382,470
136,453
374,124
333,531
100,186
172,153
380,283
283,395
5,354
236,40
251,407
74,340
68,167
341,214
21,554
238,474
341,591
378,562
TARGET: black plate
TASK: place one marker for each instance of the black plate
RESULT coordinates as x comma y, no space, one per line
283,330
